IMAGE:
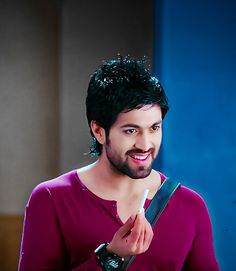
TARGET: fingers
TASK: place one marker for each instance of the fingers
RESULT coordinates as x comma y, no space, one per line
137,229
126,228
140,241
142,233
134,237
147,236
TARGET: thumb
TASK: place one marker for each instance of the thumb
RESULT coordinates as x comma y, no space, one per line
125,229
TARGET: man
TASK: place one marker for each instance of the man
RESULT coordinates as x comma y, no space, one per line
87,219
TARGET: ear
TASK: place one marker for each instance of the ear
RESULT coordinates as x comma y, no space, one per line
98,132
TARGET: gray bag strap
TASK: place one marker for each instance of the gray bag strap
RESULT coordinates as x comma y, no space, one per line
156,207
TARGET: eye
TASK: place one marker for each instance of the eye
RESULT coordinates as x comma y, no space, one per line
130,131
156,127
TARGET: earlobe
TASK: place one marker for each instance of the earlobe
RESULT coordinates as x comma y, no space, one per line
98,132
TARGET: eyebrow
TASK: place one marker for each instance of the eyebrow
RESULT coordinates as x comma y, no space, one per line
137,126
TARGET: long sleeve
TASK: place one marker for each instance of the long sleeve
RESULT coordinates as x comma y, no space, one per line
90,265
202,256
43,246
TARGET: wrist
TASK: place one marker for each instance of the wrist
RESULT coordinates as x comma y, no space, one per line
110,249
108,260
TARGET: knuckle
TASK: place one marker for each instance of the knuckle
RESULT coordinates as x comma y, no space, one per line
151,234
140,249
135,235
149,226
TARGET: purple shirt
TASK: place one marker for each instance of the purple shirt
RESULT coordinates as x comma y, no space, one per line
65,222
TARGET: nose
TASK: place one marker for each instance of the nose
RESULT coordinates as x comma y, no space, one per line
143,142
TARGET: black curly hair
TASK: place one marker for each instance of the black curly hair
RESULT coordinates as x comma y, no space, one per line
121,85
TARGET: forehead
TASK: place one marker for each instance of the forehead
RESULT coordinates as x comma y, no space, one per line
144,116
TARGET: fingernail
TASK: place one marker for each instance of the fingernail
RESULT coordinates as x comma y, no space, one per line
141,211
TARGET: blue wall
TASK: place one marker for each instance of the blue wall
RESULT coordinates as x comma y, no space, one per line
195,57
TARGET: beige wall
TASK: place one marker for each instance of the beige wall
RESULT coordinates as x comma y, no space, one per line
28,99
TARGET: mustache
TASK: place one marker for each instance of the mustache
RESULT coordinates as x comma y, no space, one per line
133,151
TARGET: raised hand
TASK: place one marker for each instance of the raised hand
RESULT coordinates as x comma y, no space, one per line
134,237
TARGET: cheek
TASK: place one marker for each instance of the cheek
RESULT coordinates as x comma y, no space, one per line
119,146
158,139
159,136
119,140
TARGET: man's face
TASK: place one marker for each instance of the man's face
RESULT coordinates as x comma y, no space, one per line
134,141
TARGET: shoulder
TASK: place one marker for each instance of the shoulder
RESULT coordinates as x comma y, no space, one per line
58,185
185,194
190,201
189,195
63,181
186,198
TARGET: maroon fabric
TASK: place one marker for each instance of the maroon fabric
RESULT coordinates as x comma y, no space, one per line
65,222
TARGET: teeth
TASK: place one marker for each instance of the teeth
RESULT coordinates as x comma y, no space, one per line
138,157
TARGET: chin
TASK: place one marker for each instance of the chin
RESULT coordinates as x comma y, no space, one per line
139,175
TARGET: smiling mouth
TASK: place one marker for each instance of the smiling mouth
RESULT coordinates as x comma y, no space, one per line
138,158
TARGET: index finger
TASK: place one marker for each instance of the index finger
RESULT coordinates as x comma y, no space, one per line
137,228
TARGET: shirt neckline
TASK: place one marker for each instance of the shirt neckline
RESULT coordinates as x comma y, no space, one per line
85,188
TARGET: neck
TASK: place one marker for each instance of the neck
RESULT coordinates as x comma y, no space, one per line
107,183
